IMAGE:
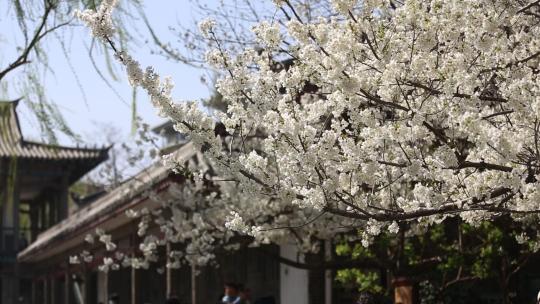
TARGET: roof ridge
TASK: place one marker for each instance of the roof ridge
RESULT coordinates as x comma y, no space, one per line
14,101
53,146
9,123
13,143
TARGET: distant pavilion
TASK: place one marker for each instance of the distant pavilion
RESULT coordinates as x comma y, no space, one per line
34,182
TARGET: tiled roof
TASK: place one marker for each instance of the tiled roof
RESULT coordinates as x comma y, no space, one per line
12,143
107,211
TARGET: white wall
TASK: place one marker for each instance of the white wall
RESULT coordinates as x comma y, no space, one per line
293,281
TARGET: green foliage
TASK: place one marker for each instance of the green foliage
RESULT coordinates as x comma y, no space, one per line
446,257
361,280
21,16
355,251
83,188
364,281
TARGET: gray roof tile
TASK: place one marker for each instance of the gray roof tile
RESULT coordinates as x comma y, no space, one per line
12,143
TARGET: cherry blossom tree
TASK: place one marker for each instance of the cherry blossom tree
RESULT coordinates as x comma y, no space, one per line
234,20
380,113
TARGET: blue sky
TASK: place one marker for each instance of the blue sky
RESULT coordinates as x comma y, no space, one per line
103,107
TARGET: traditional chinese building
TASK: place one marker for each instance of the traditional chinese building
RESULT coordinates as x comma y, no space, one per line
57,281
34,182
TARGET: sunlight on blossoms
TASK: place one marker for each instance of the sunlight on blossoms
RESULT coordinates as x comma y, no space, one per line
382,114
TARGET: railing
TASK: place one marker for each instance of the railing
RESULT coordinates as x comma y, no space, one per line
11,244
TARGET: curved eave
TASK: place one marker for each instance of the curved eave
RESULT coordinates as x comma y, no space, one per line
13,144
33,150
106,212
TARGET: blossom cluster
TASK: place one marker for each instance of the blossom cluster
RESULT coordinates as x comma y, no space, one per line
379,114
100,21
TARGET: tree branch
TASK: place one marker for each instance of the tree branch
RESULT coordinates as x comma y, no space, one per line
38,35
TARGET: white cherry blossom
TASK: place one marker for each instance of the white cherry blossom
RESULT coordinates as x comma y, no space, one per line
383,113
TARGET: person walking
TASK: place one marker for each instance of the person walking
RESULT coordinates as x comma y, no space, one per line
245,295
365,298
114,299
232,294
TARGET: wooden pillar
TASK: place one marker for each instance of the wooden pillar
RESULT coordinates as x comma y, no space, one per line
33,297
16,232
328,273
10,201
34,221
43,213
52,288
134,298
9,238
67,283
62,202
52,202
3,194
103,287
86,285
169,279
77,285
172,275
193,284
168,274
46,296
